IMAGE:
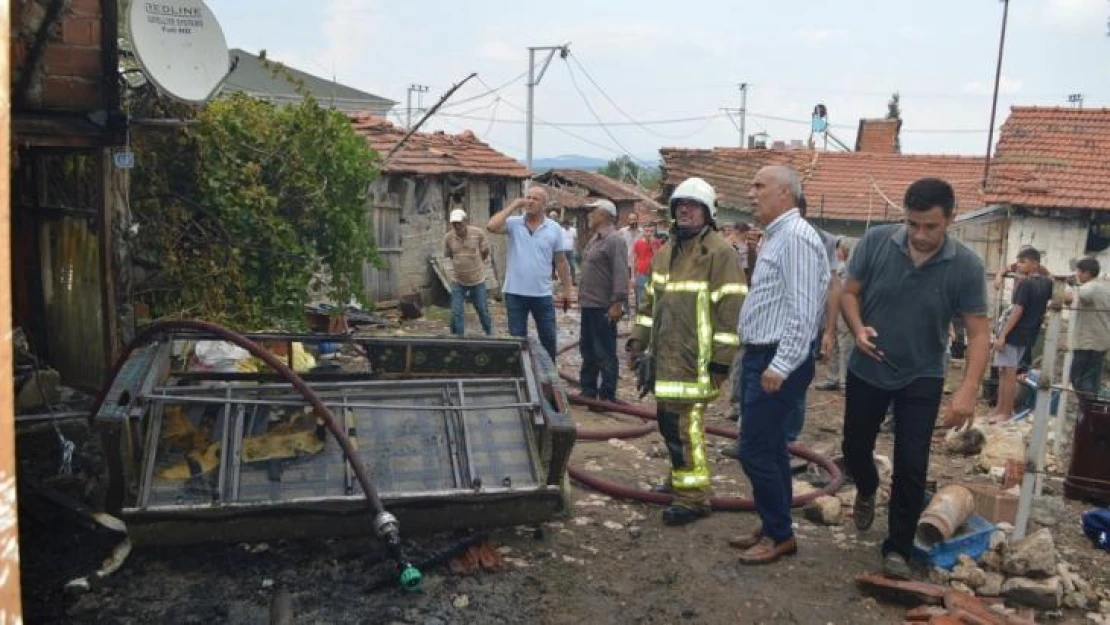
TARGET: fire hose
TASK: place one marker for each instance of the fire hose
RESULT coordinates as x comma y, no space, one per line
615,489
386,526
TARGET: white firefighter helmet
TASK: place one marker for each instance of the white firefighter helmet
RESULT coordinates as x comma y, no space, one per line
698,190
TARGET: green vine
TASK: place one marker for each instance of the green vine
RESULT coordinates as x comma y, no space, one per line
241,213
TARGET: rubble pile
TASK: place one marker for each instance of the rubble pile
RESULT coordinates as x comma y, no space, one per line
1028,572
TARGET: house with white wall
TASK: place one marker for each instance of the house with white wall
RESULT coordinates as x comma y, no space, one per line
1048,187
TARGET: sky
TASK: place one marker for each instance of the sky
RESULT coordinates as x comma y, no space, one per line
633,64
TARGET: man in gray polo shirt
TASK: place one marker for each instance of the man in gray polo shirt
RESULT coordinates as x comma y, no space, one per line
905,283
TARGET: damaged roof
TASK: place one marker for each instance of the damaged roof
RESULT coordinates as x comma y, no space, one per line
563,197
1052,157
436,153
598,185
849,186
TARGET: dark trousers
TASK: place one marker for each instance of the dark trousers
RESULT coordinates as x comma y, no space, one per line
1086,371
682,425
797,419
915,414
598,346
763,427
542,309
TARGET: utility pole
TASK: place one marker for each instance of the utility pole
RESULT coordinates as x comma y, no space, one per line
534,80
743,113
408,107
1076,100
994,100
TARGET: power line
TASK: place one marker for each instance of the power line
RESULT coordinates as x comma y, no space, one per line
493,116
490,90
543,122
904,130
655,122
605,95
586,101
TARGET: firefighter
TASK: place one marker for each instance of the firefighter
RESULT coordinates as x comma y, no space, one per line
684,339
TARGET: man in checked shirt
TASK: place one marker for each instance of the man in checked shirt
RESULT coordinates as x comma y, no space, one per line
778,324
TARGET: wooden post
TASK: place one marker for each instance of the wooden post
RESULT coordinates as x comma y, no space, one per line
10,608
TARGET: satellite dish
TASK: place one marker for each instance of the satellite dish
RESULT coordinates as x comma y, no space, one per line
180,46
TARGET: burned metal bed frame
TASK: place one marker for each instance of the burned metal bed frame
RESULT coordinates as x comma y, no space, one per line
455,433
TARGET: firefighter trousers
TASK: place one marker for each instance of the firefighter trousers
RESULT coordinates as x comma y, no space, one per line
682,425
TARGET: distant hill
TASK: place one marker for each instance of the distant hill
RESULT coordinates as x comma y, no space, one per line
568,161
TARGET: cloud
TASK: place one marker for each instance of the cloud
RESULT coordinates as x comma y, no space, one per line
1006,86
1075,15
820,36
499,51
353,30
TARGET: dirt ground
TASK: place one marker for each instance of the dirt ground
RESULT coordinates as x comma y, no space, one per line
604,561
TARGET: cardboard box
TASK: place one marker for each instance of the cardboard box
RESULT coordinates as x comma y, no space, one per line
993,503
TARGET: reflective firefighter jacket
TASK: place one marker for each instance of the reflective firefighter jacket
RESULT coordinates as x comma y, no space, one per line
689,315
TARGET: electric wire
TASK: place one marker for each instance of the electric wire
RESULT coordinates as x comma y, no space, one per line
489,90
631,119
586,101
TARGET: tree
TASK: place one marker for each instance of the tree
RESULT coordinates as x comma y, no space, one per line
893,108
894,111
626,169
245,210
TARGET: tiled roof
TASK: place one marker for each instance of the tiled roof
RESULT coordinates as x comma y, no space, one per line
599,185
851,186
563,198
437,152
879,136
1052,158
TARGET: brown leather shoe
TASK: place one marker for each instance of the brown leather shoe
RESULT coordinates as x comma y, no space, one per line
766,551
745,542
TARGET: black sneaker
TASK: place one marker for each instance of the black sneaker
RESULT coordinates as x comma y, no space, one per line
896,567
677,515
828,386
730,451
863,512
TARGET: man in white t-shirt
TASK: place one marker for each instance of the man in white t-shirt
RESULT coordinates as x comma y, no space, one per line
570,243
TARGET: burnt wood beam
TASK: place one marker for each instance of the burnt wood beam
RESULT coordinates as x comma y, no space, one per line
35,52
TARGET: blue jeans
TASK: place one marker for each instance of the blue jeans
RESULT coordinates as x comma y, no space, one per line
542,309
477,296
797,418
763,428
641,286
598,346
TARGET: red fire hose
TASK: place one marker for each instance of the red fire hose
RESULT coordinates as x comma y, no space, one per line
614,489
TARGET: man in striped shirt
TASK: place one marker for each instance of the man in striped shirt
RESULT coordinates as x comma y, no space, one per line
778,324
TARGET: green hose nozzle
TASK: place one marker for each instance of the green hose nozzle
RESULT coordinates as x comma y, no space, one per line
411,578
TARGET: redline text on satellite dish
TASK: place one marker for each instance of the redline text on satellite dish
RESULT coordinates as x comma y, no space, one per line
169,18
166,9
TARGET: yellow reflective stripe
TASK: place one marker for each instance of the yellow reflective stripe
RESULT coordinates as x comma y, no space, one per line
687,480
697,476
734,288
658,278
687,286
667,389
705,342
645,321
726,338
